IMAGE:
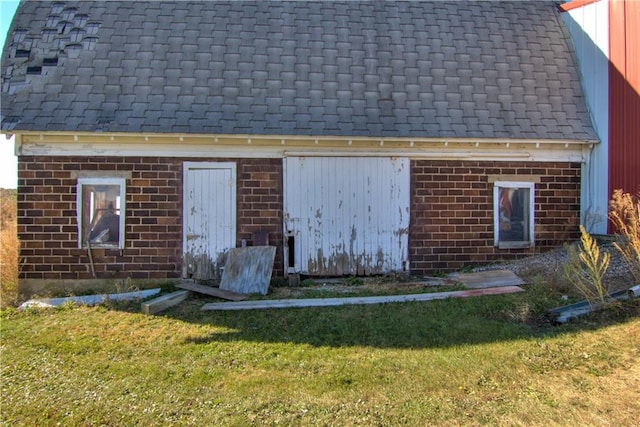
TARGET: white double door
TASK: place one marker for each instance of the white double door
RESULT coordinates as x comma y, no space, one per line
346,215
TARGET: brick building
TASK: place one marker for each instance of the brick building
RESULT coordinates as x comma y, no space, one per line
358,138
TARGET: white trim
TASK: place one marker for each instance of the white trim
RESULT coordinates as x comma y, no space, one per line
209,165
285,219
496,214
541,155
404,153
84,137
280,146
104,180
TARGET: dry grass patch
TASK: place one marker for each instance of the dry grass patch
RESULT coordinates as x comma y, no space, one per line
624,213
9,249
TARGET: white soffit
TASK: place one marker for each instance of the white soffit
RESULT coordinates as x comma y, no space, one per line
258,146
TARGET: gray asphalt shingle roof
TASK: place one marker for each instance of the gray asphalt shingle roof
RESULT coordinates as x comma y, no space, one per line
423,69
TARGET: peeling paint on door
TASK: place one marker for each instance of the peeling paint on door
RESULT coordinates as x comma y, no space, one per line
209,206
349,216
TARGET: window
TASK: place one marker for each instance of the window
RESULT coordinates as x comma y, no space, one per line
513,214
101,212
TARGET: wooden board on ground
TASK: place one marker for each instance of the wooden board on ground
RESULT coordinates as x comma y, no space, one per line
214,292
163,302
248,270
489,279
329,302
89,299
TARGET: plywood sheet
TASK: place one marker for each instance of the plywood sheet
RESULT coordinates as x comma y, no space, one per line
332,302
248,270
490,279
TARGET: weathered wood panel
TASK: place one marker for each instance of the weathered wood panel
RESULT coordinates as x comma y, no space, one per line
248,270
163,302
209,217
347,216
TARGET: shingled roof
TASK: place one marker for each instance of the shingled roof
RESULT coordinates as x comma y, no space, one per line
383,69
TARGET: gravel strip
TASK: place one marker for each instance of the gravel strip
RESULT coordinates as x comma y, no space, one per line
551,264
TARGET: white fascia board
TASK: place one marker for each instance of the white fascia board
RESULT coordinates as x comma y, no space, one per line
260,146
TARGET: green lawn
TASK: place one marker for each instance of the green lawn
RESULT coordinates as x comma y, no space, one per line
487,360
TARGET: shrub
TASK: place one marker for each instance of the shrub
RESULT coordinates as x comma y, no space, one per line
586,267
9,249
624,212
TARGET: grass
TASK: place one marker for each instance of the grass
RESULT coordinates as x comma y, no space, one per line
479,361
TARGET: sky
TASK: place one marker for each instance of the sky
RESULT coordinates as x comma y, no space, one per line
8,161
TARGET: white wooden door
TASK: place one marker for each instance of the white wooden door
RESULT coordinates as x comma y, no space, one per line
346,216
209,215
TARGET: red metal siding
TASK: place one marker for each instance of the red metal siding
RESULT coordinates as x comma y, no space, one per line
624,95
574,4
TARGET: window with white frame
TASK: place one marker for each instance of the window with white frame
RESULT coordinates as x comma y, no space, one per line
101,212
513,211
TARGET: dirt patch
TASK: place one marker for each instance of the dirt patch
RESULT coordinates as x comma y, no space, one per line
378,285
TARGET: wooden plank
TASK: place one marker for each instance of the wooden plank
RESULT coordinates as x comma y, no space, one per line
214,292
89,299
163,302
248,270
489,279
329,302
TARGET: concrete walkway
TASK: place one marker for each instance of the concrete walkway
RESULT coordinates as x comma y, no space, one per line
328,302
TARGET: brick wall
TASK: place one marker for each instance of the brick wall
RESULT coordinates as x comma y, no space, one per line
260,204
153,232
451,214
452,211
